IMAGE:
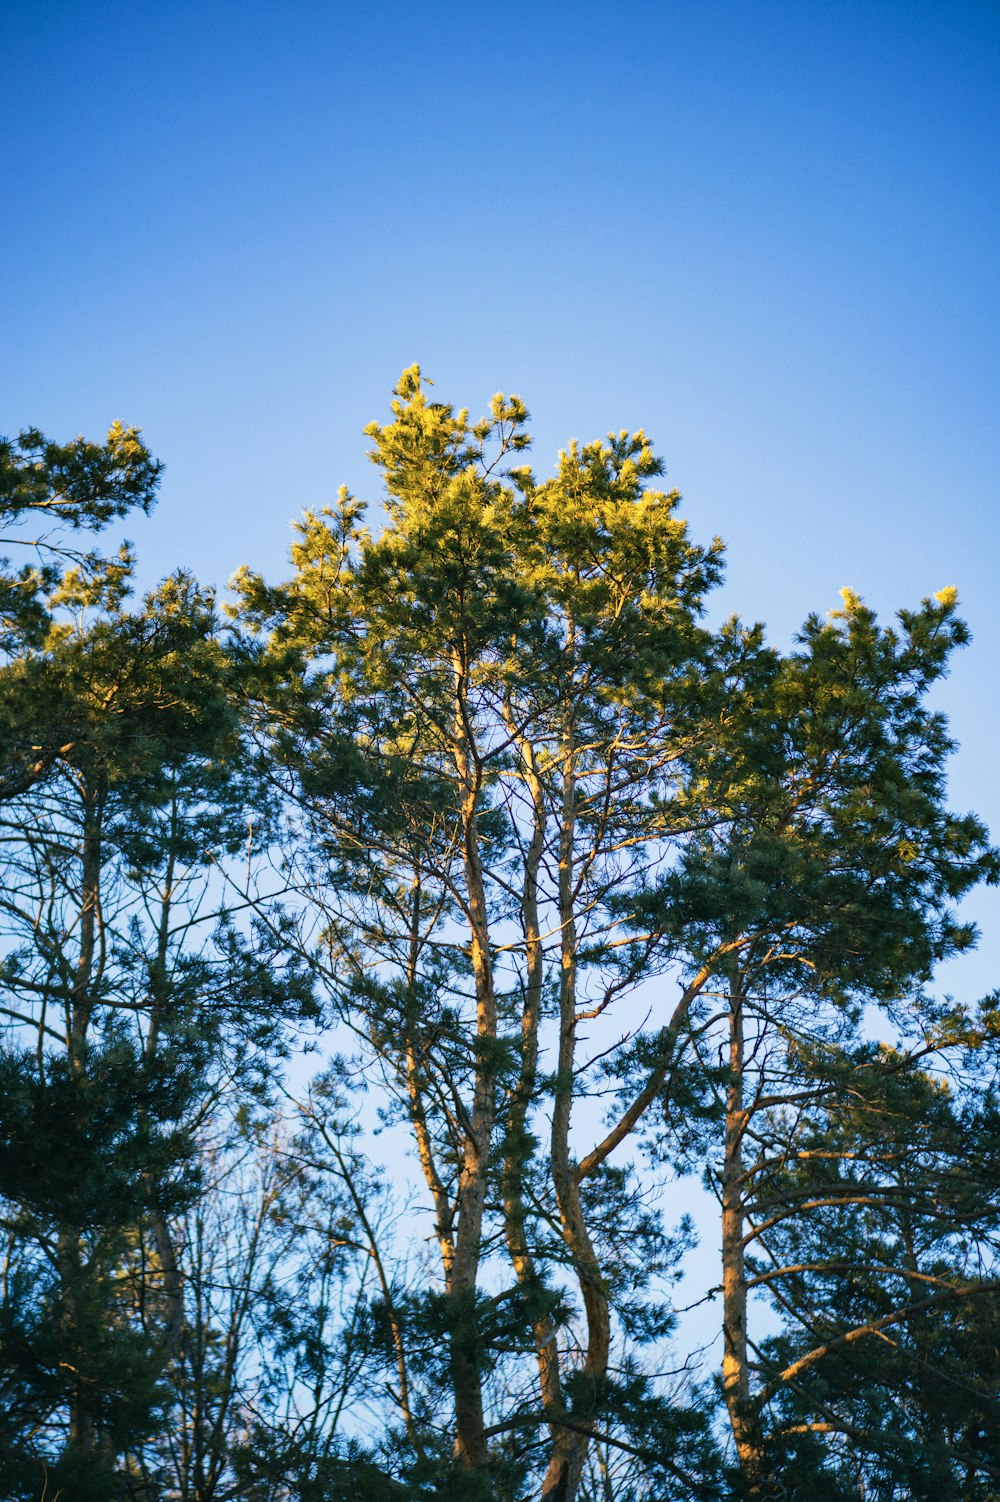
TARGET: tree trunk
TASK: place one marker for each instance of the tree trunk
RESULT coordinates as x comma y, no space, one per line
569,1452
743,1418
470,1440
81,994
172,1281
517,1144
82,1430
415,1082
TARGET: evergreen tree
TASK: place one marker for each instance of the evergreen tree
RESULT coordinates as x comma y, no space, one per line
533,788
589,900
50,495
828,890
132,1001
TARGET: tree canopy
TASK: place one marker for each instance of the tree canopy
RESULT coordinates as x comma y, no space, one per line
593,912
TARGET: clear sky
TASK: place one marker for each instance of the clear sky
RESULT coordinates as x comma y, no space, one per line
767,232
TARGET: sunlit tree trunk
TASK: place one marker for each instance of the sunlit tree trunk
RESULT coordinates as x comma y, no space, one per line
735,1363
470,1439
565,1469
517,1144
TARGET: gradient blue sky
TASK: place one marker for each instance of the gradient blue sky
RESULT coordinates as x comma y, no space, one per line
766,232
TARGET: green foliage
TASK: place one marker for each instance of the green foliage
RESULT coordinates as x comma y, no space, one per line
561,872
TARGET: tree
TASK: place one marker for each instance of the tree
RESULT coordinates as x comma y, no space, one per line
49,493
529,786
876,1237
283,1265
588,899
483,715
133,1001
828,887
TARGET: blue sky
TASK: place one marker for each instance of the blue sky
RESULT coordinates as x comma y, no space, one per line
766,232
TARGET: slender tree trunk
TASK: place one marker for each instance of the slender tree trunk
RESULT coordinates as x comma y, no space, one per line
171,1278
470,1440
81,994
82,1431
415,1079
569,1452
518,1147
171,1285
743,1418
